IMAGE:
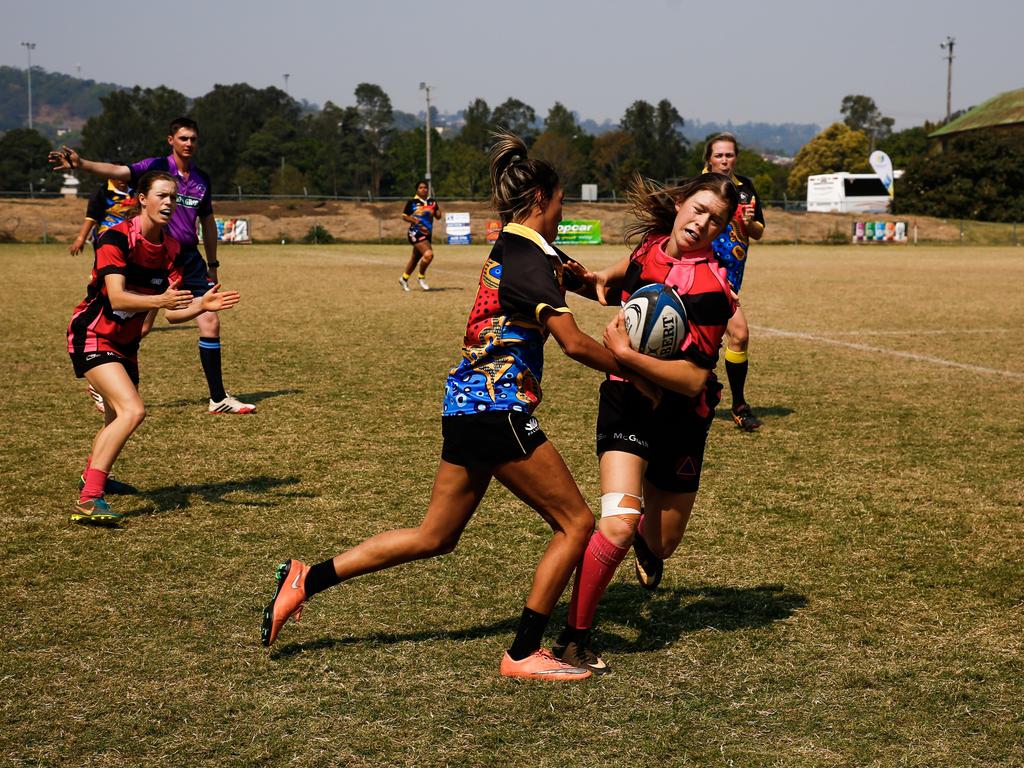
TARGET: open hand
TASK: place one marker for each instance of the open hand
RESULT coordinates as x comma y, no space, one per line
64,159
216,300
173,298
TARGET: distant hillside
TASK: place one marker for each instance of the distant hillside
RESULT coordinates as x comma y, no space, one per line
58,101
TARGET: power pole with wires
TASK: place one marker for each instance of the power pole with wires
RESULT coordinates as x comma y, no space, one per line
948,46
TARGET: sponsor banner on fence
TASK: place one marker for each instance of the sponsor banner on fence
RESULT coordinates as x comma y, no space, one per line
879,231
456,226
579,232
233,230
493,230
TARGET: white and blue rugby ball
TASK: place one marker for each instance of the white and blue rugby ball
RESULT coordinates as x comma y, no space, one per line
655,320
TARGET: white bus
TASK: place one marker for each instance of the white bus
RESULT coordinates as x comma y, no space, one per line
847,193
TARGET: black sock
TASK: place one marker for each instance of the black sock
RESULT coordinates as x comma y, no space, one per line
320,577
571,634
737,373
531,630
209,356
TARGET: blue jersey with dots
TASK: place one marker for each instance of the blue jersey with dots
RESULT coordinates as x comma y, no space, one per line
503,351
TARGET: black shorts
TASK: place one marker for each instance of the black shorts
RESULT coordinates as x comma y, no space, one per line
86,361
195,275
491,438
670,438
417,236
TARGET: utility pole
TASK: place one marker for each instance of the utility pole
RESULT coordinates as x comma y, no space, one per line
948,46
430,186
286,76
29,47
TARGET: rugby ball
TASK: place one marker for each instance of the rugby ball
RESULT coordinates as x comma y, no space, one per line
655,320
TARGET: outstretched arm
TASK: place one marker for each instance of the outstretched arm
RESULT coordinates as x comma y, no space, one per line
214,300
601,286
124,300
67,159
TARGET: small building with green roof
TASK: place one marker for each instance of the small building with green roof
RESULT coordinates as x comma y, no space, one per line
1002,113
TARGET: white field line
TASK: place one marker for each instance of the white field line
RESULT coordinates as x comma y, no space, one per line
947,332
890,352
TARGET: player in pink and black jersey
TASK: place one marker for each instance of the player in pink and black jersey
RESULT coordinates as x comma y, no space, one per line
651,455
135,273
194,205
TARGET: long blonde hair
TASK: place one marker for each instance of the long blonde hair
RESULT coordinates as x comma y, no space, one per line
654,205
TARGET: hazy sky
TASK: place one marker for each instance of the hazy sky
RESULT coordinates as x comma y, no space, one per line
739,60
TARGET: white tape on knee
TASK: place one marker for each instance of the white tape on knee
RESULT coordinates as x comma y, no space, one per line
612,504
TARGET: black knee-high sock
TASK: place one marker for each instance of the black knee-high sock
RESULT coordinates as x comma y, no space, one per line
320,577
531,630
737,373
209,356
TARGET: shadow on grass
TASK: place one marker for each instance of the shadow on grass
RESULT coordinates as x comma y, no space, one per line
172,497
764,412
246,397
434,289
505,627
661,618
667,614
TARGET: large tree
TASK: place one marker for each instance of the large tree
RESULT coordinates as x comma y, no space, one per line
837,148
476,131
132,125
375,113
860,114
515,116
23,166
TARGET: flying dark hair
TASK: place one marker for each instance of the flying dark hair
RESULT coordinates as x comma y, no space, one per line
182,122
654,205
517,181
723,136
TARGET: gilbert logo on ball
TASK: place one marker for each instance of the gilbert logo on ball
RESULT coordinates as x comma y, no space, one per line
655,320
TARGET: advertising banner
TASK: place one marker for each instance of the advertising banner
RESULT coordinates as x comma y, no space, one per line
233,230
579,232
456,226
879,232
882,165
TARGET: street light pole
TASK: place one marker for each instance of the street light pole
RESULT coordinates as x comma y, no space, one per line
286,76
948,45
29,47
430,186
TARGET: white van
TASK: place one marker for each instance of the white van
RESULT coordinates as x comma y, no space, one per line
847,193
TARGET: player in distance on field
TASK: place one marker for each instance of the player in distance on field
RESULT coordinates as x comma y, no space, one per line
731,248
488,427
651,454
135,275
194,203
420,212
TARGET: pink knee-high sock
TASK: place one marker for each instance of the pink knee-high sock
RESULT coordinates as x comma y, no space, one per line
593,575
95,482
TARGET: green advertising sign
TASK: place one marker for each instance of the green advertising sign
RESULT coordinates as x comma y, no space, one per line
578,232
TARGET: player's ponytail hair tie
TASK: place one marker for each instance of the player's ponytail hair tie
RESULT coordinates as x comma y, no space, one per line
516,180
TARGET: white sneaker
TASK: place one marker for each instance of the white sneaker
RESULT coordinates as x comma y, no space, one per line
423,284
97,400
404,283
231,405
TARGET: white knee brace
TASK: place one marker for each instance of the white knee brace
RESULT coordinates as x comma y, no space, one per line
621,504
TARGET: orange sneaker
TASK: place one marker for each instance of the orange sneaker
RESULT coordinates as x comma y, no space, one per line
288,600
542,665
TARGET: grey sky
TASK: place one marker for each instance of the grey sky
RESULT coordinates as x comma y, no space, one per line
739,60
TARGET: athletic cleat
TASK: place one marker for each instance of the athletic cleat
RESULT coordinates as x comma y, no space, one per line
113,487
404,283
288,599
423,284
231,405
578,652
542,665
745,418
95,511
97,399
649,567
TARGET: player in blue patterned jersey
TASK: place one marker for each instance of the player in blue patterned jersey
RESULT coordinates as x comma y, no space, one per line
731,250
421,212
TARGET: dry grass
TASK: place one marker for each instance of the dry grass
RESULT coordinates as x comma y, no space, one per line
849,593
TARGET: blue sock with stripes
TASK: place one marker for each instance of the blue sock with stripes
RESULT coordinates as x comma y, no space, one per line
209,356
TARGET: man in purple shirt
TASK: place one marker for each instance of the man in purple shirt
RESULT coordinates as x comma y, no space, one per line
194,204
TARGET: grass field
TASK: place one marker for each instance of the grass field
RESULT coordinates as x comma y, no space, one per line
850,591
